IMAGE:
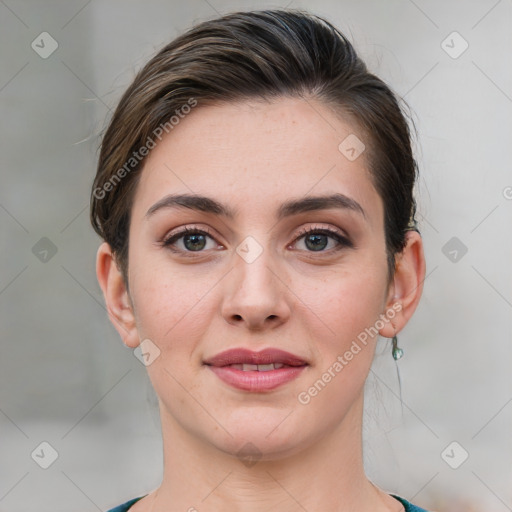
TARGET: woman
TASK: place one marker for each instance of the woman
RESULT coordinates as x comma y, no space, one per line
255,197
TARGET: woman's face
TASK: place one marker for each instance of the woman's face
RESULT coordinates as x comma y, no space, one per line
267,273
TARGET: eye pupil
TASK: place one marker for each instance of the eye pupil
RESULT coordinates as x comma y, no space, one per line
198,242
318,241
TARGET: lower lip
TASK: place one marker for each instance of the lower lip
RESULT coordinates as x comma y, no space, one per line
254,380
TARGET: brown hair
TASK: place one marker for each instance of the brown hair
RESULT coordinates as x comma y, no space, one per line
255,54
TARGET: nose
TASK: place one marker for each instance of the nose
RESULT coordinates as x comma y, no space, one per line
256,294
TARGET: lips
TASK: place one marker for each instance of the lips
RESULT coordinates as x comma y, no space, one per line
247,360
256,372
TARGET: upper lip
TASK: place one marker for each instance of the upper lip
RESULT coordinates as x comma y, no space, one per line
246,356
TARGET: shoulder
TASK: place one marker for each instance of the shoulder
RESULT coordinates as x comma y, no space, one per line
125,506
409,507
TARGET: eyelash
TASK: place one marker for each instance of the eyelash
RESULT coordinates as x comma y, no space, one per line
168,242
342,240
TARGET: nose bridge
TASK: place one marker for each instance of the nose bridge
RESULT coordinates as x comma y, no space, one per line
253,270
256,292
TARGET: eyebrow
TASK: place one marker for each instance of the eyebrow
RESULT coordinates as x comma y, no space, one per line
292,207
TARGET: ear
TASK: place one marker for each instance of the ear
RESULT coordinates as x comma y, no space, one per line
407,285
117,299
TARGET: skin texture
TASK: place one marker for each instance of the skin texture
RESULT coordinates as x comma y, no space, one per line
253,156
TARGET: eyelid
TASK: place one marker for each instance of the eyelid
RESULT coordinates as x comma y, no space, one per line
180,232
340,237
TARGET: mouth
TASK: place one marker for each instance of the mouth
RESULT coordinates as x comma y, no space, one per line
263,361
257,367
256,371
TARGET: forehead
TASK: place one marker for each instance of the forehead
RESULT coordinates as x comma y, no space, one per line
255,154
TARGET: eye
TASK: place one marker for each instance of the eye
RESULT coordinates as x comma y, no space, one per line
189,240
317,239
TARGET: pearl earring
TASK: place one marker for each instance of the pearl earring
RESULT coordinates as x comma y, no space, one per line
396,351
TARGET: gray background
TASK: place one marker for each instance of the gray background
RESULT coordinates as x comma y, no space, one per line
65,376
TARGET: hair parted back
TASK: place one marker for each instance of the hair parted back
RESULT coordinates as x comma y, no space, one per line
255,55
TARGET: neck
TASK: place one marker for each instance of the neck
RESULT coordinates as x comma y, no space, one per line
327,474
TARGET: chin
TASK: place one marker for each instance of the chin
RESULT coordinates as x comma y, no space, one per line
262,433
250,449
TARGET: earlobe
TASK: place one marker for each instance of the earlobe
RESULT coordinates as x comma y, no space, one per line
407,285
117,299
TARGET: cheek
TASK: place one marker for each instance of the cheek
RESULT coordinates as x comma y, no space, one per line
340,320
174,309
171,312
169,307
344,304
